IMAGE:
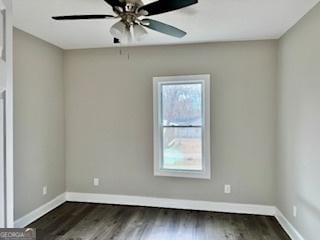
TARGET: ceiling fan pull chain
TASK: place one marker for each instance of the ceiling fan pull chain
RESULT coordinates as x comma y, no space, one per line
121,52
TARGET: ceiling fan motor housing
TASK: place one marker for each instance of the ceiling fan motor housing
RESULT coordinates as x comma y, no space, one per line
130,7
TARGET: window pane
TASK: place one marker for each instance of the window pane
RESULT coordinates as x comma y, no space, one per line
182,104
182,148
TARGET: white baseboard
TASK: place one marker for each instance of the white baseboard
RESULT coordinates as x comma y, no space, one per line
287,226
162,203
171,203
39,212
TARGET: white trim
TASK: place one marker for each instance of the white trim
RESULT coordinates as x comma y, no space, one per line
287,226
8,87
161,203
2,161
171,203
39,212
204,79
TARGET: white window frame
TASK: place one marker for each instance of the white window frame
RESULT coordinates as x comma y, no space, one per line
204,79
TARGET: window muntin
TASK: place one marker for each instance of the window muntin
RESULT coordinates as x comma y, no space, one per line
182,126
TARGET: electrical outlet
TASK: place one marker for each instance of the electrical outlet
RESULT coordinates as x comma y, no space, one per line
96,182
44,190
227,189
294,211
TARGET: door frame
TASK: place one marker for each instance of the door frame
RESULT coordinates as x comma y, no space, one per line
2,158
7,87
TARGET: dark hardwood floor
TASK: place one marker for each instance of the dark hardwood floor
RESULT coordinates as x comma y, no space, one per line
83,221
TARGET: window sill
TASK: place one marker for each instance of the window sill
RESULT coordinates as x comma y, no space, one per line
183,174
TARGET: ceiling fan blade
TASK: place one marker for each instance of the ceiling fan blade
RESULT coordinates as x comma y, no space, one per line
82,17
163,28
114,3
162,6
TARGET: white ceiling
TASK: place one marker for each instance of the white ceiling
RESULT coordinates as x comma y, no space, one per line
208,21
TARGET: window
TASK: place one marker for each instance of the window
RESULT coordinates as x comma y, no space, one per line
182,126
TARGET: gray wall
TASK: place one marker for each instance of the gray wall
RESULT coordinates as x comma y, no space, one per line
109,120
38,122
298,160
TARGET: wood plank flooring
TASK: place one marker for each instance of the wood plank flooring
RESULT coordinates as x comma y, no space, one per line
83,221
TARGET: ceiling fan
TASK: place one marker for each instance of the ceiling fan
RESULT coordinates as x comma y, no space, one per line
131,14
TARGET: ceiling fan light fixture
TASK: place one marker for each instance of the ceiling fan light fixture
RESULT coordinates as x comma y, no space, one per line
118,30
126,36
139,32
